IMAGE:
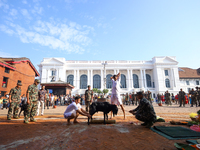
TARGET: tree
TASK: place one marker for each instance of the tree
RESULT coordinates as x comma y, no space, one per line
105,91
95,90
99,92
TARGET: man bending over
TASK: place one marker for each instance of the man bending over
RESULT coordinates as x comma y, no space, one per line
73,111
144,112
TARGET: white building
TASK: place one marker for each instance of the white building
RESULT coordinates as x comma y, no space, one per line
157,75
189,78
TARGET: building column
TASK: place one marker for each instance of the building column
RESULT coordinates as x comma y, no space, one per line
114,71
127,79
46,76
91,79
145,80
102,80
131,78
88,77
142,80
75,79
78,80
172,78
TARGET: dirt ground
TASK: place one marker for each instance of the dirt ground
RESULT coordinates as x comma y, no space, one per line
52,132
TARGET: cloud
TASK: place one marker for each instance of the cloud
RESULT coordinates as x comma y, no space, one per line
4,6
8,55
24,2
76,1
25,13
72,37
37,10
6,29
13,12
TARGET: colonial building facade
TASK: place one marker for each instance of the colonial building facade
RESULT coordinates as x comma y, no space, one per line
156,75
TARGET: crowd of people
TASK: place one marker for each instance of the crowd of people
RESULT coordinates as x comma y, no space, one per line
40,99
181,98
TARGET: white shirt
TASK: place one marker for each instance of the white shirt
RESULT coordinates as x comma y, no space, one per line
116,86
73,107
52,98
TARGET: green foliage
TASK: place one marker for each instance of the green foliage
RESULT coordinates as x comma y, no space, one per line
105,91
95,90
99,91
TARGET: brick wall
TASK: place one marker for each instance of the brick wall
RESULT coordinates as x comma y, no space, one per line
23,72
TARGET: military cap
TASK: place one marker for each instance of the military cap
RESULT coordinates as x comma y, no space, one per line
37,80
20,84
89,86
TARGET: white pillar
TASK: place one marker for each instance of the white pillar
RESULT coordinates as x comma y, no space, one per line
102,80
88,77
142,80
127,79
172,78
78,80
114,71
145,80
75,79
91,79
131,78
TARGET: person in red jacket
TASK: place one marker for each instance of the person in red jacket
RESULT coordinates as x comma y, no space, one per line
163,98
186,99
176,99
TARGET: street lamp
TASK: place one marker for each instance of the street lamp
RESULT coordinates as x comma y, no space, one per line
104,68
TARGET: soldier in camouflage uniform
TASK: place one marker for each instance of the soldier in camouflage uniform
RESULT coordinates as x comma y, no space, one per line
193,97
181,97
159,98
14,100
48,97
88,98
198,95
133,98
145,111
32,98
167,98
149,96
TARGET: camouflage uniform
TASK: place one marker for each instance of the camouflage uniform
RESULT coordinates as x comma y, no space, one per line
15,94
32,106
149,97
133,98
88,98
167,98
145,111
193,97
47,100
181,97
159,98
198,96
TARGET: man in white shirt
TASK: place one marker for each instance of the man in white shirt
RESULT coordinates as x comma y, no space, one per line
73,111
115,97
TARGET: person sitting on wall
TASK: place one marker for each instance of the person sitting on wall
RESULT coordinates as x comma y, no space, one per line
73,111
144,112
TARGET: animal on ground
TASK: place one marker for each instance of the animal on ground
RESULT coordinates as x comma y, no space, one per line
23,108
104,107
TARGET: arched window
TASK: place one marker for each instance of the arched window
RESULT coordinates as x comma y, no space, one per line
108,81
167,83
83,82
97,81
123,81
135,81
70,79
148,79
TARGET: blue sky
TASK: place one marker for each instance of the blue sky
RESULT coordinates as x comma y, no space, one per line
101,29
